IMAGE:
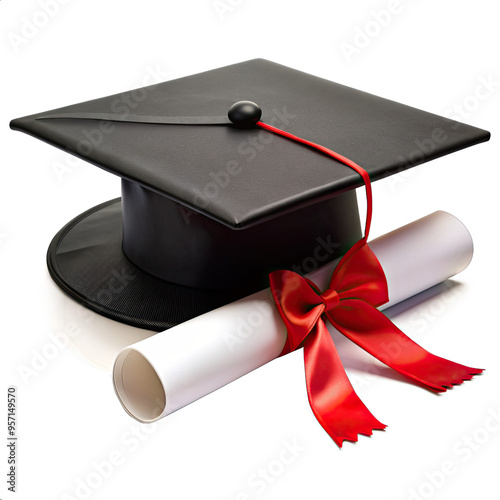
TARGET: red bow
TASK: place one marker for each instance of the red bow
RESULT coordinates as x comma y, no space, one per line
358,286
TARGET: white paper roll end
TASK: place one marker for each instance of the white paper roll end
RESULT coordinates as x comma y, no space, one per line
422,254
138,386
167,371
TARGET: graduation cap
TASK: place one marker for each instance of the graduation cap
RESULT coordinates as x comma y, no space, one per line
212,204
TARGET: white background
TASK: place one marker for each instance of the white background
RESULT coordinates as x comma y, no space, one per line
75,441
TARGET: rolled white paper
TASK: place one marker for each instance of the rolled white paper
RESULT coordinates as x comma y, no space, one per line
167,371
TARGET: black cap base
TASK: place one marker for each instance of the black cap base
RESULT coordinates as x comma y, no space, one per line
86,260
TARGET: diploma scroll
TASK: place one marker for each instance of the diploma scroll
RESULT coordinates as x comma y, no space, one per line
163,373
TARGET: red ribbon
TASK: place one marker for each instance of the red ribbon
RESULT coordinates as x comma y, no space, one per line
357,287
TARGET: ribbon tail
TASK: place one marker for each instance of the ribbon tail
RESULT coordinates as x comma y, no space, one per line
376,334
331,396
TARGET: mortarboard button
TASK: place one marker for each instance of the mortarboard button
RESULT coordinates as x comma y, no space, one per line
244,114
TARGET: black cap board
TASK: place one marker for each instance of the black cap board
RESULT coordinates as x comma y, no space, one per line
210,207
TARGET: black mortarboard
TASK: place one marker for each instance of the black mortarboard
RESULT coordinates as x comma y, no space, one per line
209,208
